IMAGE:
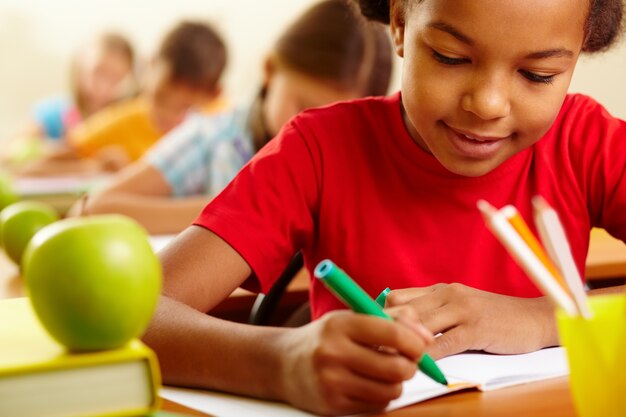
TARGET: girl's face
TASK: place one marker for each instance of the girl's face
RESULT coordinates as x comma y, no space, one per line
483,80
290,92
104,76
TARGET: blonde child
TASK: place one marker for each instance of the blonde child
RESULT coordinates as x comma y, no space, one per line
328,54
387,188
101,73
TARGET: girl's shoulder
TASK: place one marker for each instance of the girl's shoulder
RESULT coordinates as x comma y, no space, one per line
584,123
580,109
356,108
352,118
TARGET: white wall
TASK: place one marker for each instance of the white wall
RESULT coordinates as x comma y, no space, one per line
37,38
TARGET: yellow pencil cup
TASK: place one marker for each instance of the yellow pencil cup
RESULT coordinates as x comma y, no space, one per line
596,351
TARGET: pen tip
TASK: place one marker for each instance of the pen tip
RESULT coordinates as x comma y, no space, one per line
430,368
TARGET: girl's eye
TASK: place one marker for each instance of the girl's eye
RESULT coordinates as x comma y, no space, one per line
536,78
446,60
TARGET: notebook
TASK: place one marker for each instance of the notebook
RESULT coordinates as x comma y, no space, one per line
38,377
59,192
479,371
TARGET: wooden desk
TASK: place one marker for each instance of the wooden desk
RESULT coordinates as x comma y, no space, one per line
606,257
542,399
549,398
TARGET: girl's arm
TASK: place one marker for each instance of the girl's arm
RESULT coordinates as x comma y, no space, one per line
328,366
141,192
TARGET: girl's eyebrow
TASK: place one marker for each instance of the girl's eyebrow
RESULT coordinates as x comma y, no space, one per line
551,53
548,53
444,27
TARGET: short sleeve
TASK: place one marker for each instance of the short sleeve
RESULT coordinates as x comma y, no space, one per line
267,212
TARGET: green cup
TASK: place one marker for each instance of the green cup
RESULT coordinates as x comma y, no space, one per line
596,351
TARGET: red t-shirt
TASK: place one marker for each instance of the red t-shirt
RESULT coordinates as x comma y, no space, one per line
348,183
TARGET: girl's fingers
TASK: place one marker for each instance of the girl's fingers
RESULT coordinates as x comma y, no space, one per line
449,343
400,336
365,390
404,296
378,365
442,319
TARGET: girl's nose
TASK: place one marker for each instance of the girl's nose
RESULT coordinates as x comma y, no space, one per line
488,98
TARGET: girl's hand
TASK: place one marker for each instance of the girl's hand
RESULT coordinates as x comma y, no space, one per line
337,364
471,319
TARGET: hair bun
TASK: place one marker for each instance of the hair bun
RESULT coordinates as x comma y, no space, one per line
377,10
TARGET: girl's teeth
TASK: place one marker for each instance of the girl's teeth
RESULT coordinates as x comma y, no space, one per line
472,138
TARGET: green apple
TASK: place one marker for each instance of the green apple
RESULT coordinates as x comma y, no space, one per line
7,194
20,221
93,281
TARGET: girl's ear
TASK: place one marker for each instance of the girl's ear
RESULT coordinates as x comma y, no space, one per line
269,68
396,22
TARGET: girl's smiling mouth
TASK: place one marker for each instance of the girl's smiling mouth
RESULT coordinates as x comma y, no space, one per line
476,146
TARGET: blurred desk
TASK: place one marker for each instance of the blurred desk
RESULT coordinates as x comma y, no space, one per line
606,258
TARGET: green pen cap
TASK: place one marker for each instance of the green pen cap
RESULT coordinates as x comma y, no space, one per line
348,291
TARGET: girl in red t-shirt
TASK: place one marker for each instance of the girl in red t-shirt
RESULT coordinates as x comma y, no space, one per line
482,82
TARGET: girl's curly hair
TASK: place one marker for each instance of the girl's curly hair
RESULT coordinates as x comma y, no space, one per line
603,26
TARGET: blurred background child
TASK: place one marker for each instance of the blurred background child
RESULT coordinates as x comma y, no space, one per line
101,73
328,54
184,75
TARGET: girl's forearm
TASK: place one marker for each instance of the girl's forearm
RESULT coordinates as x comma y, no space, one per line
197,350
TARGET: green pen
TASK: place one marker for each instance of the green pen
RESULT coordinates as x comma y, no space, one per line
348,291
382,297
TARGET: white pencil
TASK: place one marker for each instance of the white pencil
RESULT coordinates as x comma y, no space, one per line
526,258
555,241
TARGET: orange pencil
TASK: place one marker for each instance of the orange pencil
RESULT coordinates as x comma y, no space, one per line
518,223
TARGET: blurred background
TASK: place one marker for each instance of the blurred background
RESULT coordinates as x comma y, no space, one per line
38,37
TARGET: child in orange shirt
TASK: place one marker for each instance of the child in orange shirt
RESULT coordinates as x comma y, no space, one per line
184,75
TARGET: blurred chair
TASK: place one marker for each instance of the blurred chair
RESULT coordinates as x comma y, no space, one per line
265,305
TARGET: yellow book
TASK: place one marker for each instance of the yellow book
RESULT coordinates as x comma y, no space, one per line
39,377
